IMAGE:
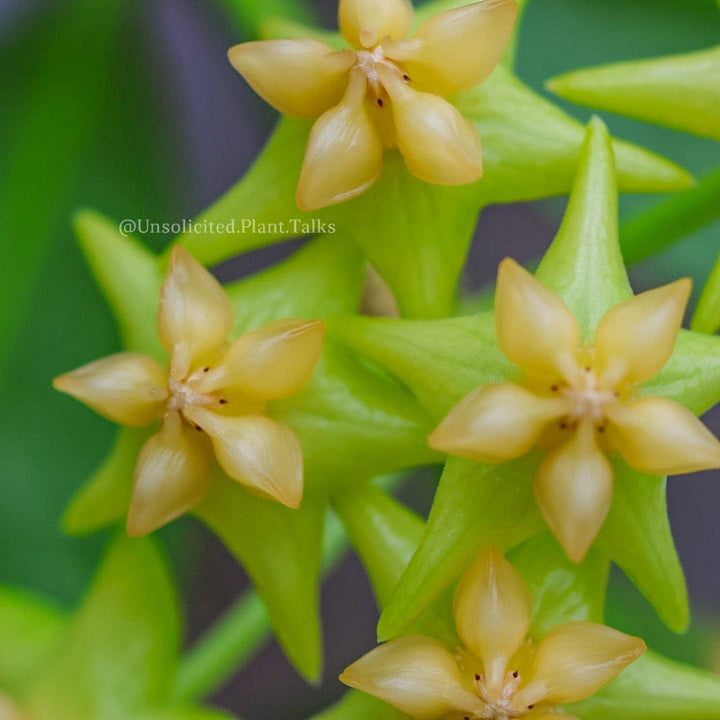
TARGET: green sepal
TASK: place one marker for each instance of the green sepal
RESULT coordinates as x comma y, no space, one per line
119,652
637,536
707,314
281,550
359,706
563,591
654,688
679,91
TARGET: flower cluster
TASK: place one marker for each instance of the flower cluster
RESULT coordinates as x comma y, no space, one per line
386,92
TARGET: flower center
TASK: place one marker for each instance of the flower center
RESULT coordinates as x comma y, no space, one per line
588,399
370,60
498,706
182,396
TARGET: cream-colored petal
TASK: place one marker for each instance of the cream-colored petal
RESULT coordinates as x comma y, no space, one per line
195,315
438,144
415,674
457,49
660,437
573,488
535,329
172,475
275,361
492,610
575,660
635,339
344,152
364,23
302,78
258,452
496,422
127,388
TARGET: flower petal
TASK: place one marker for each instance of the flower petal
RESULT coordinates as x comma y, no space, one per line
457,49
573,488
660,437
495,423
172,475
258,452
438,144
364,23
415,674
127,388
302,78
534,327
492,610
195,315
344,152
575,660
635,339
273,362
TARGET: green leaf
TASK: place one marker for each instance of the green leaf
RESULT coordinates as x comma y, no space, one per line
251,14
475,505
638,538
707,314
281,550
679,91
563,591
587,244
30,630
653,688
279,28
184,714
119,651
359,706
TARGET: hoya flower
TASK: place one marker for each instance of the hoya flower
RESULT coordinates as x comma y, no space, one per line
385,92
499,673
211,400
581,403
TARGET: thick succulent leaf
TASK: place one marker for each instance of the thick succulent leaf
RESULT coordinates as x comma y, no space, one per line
638,538
707,314
680,91
475,505
119,651
587,244
359,706
563,591
654,688
281,550
31,630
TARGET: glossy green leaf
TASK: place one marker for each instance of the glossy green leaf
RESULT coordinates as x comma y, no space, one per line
475,505
680,91
563,591
638,537
653,688
359,706
707,314
251,14
119,652
281,550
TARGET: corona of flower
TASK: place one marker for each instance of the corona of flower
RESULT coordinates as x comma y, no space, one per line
387,92
212,399
499,673
580,402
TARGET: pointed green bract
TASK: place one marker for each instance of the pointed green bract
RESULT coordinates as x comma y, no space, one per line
281,550
707,315
359,706
584,265
680,91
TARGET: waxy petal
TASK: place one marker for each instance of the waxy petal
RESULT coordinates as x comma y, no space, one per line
575,660
302,78
635,339
260,453
457,49
172,475
573,488
496,422
195,315
660,437
438,144
534,327
415,674
344,153
273,362
364,23
127,388
493,608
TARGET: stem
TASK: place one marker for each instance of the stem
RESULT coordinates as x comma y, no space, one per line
672,219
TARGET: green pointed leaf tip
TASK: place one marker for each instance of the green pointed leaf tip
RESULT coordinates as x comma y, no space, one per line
707,315
681,91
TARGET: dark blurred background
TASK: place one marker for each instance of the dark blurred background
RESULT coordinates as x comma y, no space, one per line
131,108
